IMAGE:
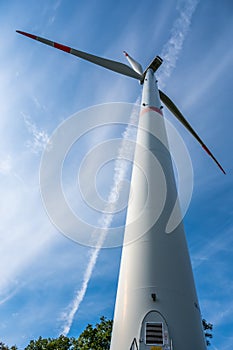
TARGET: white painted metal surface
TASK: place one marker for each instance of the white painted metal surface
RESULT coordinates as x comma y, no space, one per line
156,262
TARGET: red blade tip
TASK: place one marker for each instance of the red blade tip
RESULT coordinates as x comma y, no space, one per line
211,155
26,34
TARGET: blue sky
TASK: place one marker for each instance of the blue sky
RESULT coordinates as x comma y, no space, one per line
42,272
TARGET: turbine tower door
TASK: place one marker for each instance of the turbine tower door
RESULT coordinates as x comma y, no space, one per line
154,333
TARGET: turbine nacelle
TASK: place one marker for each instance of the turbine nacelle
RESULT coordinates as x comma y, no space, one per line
154,65
135,72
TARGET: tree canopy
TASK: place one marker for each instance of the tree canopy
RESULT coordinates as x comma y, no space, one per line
208,328
96,337
5,347
62,342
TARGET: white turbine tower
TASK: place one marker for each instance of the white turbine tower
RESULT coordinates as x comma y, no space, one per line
156,305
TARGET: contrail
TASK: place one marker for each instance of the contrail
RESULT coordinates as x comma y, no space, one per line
74,305
170,54
171,50
120,170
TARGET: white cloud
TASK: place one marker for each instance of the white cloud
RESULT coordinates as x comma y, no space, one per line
40,138
198,92
120,170
5,164
213,247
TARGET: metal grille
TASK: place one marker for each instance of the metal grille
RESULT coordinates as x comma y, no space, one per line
154,333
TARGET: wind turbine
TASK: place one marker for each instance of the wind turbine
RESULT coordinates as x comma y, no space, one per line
156,304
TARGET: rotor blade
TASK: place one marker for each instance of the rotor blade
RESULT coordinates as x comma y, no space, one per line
109,64
134,64
172,107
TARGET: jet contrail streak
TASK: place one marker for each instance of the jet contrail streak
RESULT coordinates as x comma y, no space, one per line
74,305
170,54
120,170
171,50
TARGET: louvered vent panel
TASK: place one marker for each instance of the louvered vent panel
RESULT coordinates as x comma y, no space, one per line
154,333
